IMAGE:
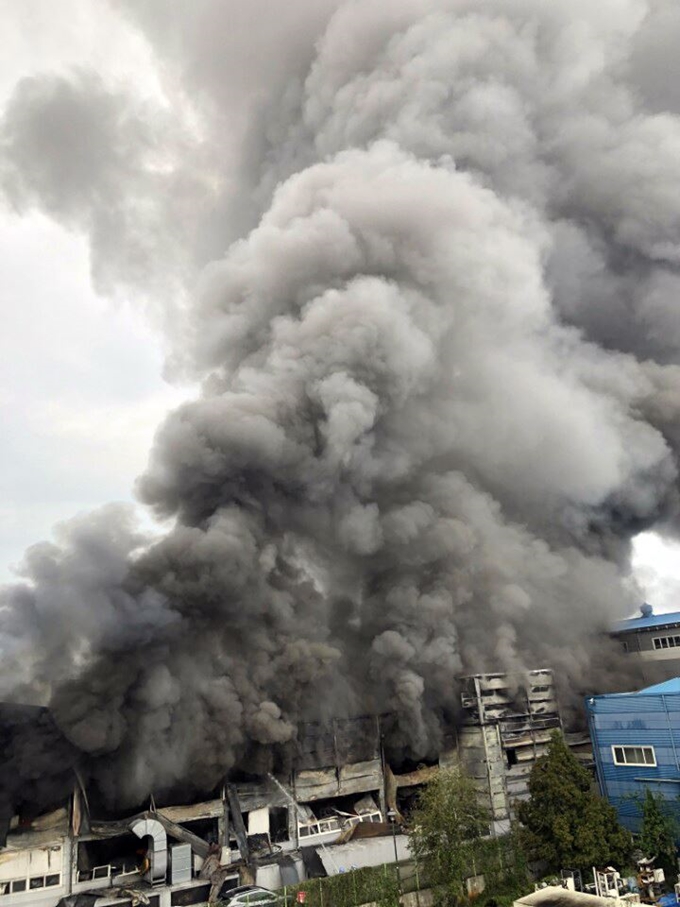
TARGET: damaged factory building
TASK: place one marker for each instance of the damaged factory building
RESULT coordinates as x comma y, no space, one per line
332,812
506,726
326,816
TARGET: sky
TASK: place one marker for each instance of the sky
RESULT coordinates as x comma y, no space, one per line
81,375
656,566
81,385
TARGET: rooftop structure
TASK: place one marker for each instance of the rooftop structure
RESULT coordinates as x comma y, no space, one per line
647,620
653,639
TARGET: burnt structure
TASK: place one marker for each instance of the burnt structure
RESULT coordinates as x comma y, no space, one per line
507,723
177,855
327,812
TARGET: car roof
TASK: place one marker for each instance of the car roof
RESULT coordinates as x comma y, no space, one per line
255,892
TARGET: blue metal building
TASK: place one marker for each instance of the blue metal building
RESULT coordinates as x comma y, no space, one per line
636,745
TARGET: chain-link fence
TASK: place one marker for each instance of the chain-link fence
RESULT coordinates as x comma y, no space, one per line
377,884
497,866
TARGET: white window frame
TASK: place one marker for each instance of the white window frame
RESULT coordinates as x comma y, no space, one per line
7,887
665,642
627,747
102,872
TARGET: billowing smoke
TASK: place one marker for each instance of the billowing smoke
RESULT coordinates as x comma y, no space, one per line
433,251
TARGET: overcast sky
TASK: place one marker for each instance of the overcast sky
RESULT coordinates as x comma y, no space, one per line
81,386
81,389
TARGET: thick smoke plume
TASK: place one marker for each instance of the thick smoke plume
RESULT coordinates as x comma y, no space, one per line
433,247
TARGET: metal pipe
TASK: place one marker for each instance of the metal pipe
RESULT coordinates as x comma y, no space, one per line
391,815
670,729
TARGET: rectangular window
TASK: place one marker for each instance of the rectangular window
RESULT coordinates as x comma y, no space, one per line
51,881
666,642
634,755
18,885
36,882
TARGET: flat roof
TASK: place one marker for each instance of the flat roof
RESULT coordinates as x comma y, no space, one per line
670,619
667,688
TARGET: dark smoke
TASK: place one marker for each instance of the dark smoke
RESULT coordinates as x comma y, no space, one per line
440,368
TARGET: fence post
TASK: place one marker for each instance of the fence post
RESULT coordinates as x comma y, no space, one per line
320,893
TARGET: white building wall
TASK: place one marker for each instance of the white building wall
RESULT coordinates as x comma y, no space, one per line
366,852
37,867
270,876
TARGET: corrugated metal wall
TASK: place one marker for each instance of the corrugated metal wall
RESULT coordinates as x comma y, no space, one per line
636,720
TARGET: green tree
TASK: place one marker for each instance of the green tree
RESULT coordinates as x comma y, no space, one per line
564,824
657,834
447,824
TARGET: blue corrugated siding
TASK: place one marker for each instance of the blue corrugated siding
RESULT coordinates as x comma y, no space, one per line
629,720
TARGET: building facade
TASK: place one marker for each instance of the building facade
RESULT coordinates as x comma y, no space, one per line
636,744
507,723
327,813
653,640
331,805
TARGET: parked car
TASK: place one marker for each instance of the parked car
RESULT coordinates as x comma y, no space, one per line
250,896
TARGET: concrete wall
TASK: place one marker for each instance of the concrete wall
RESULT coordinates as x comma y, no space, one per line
321,784
641,643
508,723
37,862
270,876
367,852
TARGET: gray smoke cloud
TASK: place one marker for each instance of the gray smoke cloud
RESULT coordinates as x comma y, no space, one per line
433,252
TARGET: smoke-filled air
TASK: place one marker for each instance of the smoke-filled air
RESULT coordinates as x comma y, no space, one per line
422,258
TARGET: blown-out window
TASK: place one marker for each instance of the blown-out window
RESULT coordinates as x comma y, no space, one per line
634,755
